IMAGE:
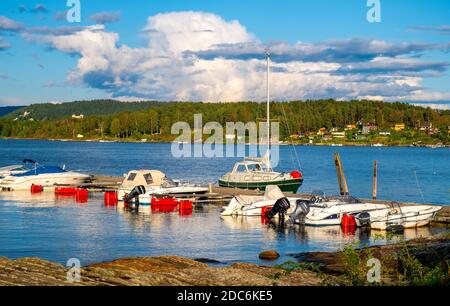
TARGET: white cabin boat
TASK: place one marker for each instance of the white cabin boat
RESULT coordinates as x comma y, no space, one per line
156,183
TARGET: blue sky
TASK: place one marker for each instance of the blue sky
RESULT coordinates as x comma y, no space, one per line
322,48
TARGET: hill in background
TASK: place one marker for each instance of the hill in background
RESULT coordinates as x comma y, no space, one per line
51,111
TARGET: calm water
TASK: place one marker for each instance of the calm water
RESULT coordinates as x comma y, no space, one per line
59,229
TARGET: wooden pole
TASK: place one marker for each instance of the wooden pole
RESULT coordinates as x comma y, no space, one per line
375,180
343,187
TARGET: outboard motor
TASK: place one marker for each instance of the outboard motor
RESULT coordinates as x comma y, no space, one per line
281,207
302,209
134,195
363,219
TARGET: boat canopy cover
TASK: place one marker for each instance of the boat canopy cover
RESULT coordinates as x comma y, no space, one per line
273,192
144,178
41,170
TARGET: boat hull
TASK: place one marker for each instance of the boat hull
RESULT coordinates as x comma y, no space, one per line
285,186
47,180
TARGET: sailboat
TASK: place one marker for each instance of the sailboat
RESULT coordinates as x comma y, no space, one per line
257,173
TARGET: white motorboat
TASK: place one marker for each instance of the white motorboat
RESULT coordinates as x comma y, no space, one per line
322,211
156,184
43,176
317,211
398,217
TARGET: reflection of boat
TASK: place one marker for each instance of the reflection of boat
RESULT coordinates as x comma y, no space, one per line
257,173
399,217
43,176
156,183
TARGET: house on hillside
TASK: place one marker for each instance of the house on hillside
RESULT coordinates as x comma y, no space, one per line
399,127
338,135
322,132
426,126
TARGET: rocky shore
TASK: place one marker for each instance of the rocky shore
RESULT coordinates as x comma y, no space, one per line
308,269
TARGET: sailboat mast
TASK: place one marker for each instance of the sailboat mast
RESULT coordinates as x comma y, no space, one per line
268,102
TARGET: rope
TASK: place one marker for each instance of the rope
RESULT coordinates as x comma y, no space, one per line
418,186
292,147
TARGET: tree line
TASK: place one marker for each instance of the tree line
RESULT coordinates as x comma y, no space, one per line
156,118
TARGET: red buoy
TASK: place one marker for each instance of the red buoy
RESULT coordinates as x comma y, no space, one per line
348,224
265,211
296,174
36,188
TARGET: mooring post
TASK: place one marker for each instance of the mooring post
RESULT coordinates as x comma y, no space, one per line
375,180
343,187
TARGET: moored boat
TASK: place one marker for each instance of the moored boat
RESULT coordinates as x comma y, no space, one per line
44,176
399,217
156,184
257,173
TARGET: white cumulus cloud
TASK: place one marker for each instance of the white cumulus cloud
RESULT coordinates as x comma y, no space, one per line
200,56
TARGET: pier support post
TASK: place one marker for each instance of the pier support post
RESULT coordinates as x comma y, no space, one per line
375,180
343,187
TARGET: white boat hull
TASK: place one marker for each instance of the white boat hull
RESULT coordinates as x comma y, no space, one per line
13,183
404,217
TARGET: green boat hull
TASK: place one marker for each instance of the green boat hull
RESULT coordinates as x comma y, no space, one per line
285,186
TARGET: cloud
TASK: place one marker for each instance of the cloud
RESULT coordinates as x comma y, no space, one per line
198,56
39,8
105,17
444,29
438,106
9,25
393,65
340,51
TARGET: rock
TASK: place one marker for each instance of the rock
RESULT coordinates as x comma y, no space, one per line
269,255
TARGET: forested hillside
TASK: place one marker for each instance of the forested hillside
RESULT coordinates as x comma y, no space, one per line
50,111
154,120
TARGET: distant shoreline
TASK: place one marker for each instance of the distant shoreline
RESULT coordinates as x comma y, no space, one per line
281,144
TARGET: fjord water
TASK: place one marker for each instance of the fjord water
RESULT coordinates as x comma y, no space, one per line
58,229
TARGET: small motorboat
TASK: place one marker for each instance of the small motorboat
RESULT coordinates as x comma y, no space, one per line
398,217
323,211
41,175
157,184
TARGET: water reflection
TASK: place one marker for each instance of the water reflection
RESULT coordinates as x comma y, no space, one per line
329,237
56,228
